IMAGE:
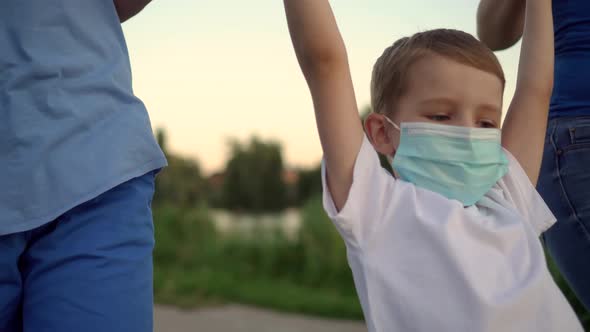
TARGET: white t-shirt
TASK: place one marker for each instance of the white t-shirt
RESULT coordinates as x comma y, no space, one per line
422,262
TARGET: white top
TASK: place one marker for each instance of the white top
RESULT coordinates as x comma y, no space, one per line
422,262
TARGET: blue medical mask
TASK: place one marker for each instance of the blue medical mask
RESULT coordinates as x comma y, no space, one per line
459,163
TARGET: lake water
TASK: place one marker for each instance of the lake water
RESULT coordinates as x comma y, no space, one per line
288,222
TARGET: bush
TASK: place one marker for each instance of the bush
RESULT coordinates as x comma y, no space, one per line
324,262
184,237
195,265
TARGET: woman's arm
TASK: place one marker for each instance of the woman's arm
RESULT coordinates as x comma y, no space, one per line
500,23
126,9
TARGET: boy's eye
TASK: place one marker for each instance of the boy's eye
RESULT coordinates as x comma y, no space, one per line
439,117
488,124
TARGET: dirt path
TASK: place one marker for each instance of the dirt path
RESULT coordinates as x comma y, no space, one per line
236,318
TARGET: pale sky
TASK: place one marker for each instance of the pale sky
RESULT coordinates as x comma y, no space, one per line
210,70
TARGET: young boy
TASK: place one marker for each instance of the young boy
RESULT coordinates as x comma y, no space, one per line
451,242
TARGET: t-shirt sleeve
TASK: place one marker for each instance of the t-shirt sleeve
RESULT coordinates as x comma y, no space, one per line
526,198
367,198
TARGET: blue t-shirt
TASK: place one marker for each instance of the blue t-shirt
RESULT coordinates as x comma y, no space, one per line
571,95
70,125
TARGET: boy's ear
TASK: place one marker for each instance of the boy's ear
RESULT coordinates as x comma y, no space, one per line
384,138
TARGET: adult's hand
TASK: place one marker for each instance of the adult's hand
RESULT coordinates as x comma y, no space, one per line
126,9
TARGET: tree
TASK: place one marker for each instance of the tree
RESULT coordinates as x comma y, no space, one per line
181,183
254,177
161,138
309,184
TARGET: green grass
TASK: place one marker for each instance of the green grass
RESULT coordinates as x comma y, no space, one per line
195,288
195,266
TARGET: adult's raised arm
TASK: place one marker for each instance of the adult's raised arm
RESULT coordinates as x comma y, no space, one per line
126,9
500,23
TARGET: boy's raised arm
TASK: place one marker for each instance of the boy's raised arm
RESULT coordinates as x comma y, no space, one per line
523,133
322,57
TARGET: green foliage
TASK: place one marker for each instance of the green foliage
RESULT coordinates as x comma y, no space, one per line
308,185
324,261
161,139
194,265
184,237
254,178
181,183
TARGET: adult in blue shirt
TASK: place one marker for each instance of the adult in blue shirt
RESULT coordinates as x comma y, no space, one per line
564,181
77,167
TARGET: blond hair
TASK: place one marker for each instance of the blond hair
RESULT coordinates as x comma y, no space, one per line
390,71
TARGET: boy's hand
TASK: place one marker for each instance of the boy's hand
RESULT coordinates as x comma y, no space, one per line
523,133
323,60
126,9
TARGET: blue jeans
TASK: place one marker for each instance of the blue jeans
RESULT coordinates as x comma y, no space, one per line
89,270
564,183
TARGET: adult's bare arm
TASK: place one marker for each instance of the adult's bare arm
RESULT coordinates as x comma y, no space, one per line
126,9
500,23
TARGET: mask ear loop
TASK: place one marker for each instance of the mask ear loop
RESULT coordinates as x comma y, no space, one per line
398,129
392,123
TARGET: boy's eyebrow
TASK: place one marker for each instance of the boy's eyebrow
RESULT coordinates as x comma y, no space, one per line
486,107
489,108
439,101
